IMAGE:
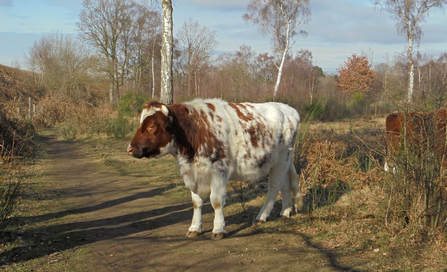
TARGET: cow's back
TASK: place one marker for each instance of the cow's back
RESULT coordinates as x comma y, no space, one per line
419,129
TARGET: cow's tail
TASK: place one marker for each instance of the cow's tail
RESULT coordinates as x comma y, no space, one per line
294,187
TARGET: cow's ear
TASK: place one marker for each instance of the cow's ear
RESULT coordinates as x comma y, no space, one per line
169,120
165,110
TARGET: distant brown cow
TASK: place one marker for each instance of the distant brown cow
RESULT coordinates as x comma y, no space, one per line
417,129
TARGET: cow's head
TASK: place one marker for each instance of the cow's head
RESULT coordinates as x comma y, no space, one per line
153,138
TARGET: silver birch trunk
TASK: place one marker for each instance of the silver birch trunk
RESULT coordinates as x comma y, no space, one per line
166,54
410,70
153,71
283,60
280,68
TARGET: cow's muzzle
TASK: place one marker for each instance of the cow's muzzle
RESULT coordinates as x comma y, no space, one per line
131,150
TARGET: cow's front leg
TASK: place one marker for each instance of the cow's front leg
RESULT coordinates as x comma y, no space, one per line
217,199
196,224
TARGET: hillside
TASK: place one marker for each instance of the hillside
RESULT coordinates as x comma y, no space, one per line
18,84
16,135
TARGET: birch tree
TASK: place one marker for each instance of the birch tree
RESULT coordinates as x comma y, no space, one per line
166,53
409,14
280,19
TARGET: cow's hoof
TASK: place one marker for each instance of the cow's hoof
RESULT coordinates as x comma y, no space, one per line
217,236
259,222
192,234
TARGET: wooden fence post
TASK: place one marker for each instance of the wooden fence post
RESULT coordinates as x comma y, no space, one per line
29,108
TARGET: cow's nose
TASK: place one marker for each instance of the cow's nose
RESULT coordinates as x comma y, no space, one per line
130,149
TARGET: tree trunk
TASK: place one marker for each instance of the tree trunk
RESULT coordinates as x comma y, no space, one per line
111,93
410,70
280,68
153,71
166,54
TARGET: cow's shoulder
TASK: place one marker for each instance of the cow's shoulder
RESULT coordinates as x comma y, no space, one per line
195,128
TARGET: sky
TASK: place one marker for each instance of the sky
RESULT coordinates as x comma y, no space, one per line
336,30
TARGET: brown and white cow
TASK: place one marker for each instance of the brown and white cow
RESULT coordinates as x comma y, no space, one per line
215,141
425,130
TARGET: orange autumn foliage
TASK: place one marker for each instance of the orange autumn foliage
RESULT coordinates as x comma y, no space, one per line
355,75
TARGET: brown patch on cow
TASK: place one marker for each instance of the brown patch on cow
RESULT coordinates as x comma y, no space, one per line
151,104
256,131
263,160
219,153
254,137
246,118
281,138
217,205
261,135
195,205
211,106
193,133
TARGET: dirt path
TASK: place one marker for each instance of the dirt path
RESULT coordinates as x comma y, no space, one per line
114,222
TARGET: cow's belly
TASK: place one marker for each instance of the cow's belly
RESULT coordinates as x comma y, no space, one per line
249,172
253,168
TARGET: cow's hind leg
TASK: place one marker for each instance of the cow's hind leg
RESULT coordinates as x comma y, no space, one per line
276,181
291,192
286,198
196,225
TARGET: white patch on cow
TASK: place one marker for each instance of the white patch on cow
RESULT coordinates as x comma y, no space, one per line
170,148
152,110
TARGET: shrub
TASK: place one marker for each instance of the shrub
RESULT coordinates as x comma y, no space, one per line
327,109
131,104
68,131
315,109
9,195
16,144
17,135
119,127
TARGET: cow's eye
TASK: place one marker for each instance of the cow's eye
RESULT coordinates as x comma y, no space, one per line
150,127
